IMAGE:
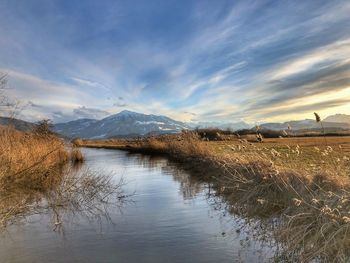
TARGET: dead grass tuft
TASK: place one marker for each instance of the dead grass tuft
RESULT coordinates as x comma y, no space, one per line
77,156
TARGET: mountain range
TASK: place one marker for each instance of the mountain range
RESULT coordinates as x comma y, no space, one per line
18,124
132,124
122,124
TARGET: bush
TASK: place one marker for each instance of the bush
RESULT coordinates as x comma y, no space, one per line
43,128
77,156
213,134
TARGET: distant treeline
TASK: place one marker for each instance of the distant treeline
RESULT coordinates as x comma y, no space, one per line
215,134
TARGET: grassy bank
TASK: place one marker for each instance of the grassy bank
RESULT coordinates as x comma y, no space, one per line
298,186
30,163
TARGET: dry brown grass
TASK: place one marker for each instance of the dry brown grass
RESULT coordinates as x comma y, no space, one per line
30,163
311,207
36,177
28,159
76,155
299,184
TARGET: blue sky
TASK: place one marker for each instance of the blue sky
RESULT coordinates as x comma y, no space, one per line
190,60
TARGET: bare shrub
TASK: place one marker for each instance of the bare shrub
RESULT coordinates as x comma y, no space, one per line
43,128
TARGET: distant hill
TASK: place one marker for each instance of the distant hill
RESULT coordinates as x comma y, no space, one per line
17,124
77,128
122,124
341,118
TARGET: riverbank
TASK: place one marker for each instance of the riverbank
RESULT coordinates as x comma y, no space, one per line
300,184
31,164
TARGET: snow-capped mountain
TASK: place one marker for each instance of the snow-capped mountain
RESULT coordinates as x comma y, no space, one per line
122,124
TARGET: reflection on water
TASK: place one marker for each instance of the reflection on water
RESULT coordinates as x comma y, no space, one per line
173,217
76,193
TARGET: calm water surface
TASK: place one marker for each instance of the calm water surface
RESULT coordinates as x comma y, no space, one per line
169,219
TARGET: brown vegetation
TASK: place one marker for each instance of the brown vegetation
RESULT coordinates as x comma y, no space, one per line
30,163
36,177
28,158
77,156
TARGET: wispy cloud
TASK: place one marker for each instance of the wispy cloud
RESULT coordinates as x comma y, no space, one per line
85,112
41,99
89,83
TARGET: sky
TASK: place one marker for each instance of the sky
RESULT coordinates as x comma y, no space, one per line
226,61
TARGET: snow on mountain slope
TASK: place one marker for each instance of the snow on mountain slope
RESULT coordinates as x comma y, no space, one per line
125,123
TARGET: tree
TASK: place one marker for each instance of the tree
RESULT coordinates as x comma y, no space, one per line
9,107
3,82
43,128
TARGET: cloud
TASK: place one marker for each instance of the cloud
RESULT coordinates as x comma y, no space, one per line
42,99
320,58
90,113
308,109
89,83
119,104
312,74
190,113
32,104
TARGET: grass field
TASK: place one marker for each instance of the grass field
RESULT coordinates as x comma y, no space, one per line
299,186
292,152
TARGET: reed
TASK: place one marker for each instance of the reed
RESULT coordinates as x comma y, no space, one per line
31,164
76,156
28,158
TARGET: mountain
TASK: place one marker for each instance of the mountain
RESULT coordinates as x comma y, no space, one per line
17,124
344,118
122,124
77,128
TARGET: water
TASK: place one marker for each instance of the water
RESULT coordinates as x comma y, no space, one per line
168,218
